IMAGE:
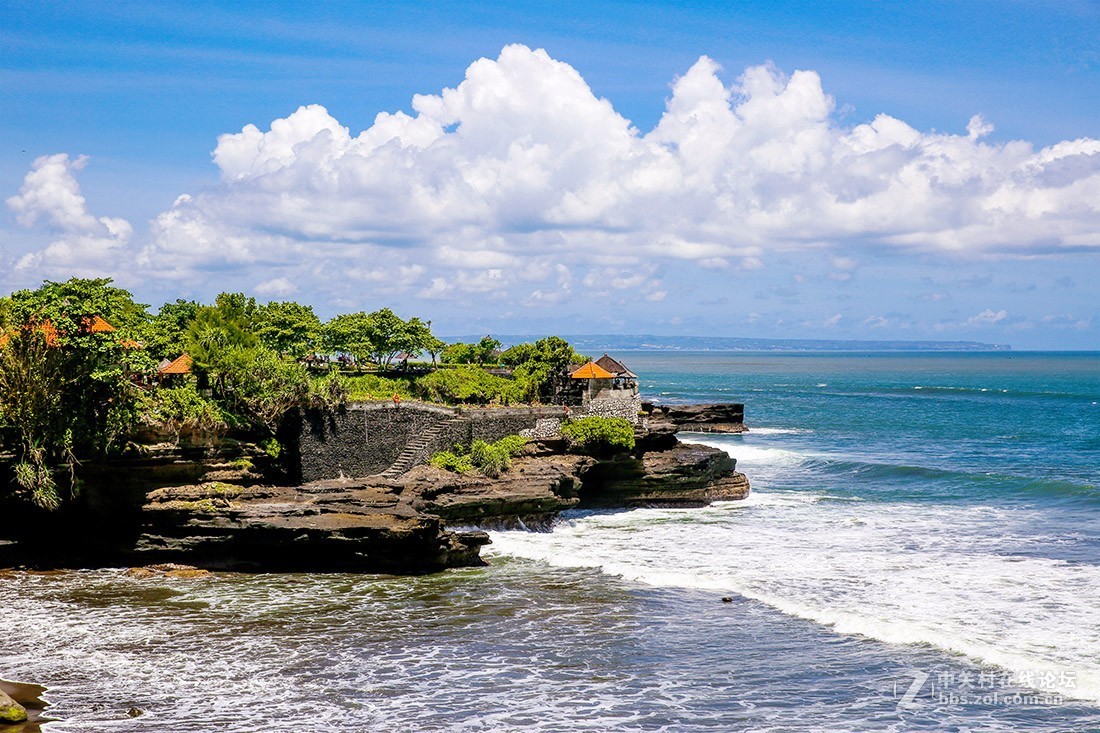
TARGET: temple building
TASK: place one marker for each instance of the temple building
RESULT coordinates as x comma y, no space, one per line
610,389
173,370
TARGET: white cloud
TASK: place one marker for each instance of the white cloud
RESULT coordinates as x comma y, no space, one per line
276,286
520,168
832,321
50,200
987,317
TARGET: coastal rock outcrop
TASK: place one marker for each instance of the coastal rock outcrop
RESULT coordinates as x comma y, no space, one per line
401,524
10,710
717,418
220,517
682,476
351,525
21,707
531,492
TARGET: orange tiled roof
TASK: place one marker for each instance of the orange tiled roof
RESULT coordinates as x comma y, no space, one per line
46,328
179,365
96,324
592,370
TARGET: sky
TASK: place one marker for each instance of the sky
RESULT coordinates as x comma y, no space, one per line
846,170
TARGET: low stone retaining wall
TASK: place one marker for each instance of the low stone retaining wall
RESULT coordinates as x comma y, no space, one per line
364,439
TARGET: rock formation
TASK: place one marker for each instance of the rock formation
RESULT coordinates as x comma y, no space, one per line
720,418
205,506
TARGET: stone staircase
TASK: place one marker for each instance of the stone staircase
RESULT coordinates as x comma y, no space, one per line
414,451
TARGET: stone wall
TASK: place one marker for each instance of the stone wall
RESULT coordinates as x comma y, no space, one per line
615,403
359,440
365,439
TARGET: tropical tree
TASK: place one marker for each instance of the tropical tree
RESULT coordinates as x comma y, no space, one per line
67,357
165,335
538,366
288,328
213,334
349,333
379,336
483,352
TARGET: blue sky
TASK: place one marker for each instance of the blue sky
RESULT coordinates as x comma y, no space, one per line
745,169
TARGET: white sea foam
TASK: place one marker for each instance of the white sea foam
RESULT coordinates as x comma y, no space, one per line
779,431
905,574
754,454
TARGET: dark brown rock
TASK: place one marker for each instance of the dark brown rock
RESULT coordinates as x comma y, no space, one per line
534,488
373,524
356,525
685,475
716,418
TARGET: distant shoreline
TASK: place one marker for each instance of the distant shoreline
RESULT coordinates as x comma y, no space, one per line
649,342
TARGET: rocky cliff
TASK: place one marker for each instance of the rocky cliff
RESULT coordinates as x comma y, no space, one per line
210,509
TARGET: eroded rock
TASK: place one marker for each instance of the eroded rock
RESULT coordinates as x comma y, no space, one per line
714,418
10,710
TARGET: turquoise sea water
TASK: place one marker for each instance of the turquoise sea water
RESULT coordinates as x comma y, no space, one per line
924,524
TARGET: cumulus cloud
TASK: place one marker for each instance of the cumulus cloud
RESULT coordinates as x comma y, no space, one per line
276,286
521,168
986,317
50,200
521,159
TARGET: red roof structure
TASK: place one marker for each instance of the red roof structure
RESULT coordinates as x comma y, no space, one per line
592,370
96,324
180,365
46,328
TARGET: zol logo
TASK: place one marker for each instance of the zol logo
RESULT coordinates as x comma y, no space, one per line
908,699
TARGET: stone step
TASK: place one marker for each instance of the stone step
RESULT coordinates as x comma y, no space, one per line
408,457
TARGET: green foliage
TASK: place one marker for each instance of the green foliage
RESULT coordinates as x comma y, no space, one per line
467,385
537,366
599,435
237,307
262,386
272,447
164,334
67,304
214,334
379,336
64,389
491,459
453,461
483,352
177,408
244,463
374,387
288,328
349,333
552,350
36,478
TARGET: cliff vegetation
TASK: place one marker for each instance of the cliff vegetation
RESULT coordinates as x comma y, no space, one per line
84,368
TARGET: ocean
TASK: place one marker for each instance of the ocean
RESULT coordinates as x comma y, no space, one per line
921,551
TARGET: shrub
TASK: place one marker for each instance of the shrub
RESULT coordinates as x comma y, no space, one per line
182,407
374,387
453,461
596,434
466,385
491,459
272,447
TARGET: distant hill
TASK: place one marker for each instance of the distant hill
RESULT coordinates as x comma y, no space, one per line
621,342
